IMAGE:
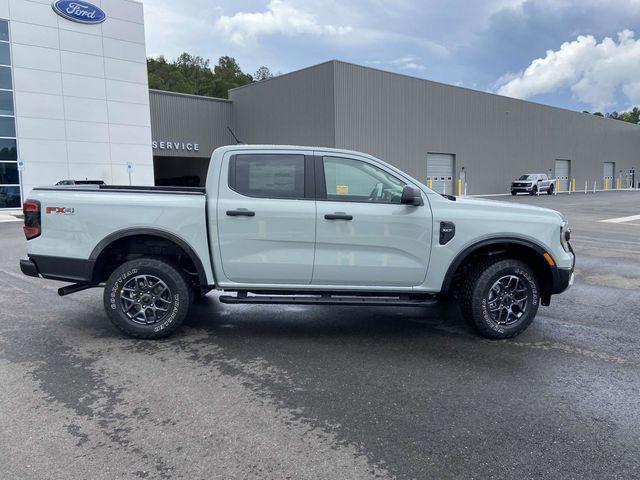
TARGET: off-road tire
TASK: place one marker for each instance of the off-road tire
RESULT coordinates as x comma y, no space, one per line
475,290
181,296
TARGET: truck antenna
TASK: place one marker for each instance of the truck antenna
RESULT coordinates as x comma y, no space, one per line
233,135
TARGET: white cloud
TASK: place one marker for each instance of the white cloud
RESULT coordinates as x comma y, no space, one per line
594,72
408,63
280,18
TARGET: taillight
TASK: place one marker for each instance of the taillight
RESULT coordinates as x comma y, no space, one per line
31,210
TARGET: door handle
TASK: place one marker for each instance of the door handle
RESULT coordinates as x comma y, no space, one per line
338,216
241,213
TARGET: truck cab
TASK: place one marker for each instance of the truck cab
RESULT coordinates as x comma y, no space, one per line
297,225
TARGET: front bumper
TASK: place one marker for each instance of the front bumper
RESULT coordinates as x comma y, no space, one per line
564,281
565,276
521,189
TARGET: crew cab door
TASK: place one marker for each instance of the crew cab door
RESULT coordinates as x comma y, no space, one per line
365,237
266,217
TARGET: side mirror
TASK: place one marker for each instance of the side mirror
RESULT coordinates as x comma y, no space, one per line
411,196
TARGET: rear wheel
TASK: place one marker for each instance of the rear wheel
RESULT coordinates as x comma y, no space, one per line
147,298
500,297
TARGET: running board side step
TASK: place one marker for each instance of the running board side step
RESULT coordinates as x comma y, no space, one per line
333,299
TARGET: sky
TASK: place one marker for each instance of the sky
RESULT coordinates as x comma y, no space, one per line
576,54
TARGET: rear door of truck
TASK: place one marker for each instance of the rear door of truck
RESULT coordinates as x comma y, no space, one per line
266,217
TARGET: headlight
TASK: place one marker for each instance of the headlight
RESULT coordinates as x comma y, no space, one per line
565,236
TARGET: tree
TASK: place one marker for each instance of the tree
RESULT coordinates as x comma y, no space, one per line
228,75
632,116
193,74
263,73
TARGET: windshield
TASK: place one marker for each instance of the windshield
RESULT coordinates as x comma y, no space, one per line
526,177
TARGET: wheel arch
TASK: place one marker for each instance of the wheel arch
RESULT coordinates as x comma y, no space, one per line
523,249
112,239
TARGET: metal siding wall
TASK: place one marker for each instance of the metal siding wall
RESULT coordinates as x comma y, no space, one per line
400,119
187,118
292,109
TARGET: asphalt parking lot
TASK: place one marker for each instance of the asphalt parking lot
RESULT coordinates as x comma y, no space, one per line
331,392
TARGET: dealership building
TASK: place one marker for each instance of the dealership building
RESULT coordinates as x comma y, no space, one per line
75,104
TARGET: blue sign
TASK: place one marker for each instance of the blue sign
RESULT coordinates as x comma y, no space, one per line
81,12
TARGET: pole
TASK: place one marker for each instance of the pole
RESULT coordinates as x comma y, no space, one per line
594,187
129,177
21,187
585,187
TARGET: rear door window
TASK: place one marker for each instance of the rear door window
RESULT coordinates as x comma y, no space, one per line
268,175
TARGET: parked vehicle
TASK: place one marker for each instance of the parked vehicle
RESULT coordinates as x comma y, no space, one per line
80,182
533,183
297,225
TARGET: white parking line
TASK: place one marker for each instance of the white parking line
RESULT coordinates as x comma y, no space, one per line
622,219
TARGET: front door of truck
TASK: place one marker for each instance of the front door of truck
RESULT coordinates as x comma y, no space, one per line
266,217
365,237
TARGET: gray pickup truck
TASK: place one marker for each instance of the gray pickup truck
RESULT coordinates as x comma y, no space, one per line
533,184
297,225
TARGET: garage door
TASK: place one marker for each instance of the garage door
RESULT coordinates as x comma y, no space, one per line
440,171
563,171
608,172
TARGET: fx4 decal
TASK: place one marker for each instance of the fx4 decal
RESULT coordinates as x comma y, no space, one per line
59,211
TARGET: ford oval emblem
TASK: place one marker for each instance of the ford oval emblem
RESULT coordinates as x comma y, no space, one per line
82,12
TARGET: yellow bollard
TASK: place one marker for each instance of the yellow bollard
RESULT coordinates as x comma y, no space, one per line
573,186
459,187
618,183
557,184
605,184
430,182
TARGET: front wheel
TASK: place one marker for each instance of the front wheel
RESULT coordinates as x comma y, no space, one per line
147,298
534,191
500,298
550,189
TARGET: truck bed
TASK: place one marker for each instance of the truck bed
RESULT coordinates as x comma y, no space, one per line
126,188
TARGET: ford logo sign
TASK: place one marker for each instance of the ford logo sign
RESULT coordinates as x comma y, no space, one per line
81,12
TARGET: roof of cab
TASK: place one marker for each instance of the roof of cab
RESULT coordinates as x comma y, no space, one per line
244,146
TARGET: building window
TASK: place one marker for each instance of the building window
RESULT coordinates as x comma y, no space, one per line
6,102
9,196
4,31
5,78
9,175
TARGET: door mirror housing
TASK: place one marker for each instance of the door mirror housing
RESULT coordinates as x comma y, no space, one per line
411,196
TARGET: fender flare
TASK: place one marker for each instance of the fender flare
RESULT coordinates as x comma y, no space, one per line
486,242
153,232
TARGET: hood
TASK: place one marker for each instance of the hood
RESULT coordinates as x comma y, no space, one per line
497,207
